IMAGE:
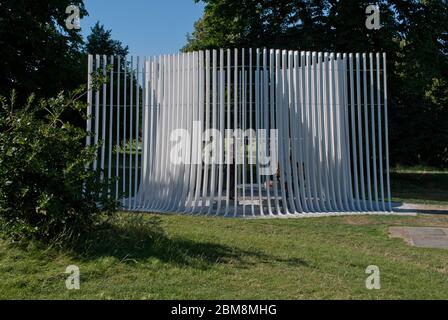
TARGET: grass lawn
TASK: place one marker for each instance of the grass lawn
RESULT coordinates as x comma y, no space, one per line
420,185
183,257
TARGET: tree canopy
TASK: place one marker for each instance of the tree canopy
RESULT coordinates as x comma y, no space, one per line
100,42
38,53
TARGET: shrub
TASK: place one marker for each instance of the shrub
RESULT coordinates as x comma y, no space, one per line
47,190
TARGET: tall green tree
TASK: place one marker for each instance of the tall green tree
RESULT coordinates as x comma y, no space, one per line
100,42
38,53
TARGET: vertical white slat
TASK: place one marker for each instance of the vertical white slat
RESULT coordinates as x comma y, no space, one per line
162,140
213,125
175,114
160,127
373,130
155,77
144,172
131,128
144,126
174,117
144,130
201,118
301,100
324,87
380,131
306,128
168,118
386,132
125,124
137,130
328,133
221,148
117,142
323,176
333,134
161,92
207,126
258,115
349,180
235,126
240,140
281,74
189,112
194,134
367,135
155,96
299,130
360,145
97,114
287,106
316,168
243,127
111,118
251,128
272,76
338,133
185,114
229,125
263,88
104,121
353,128
155,115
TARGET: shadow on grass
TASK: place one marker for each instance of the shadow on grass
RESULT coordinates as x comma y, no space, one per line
134,239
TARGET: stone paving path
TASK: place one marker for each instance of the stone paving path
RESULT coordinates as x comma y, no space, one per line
423,237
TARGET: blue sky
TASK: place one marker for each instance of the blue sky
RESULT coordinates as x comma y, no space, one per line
148,27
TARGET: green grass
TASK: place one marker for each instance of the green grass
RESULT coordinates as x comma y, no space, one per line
181,257
420,185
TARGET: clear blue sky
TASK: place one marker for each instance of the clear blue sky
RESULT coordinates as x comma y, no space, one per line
148,27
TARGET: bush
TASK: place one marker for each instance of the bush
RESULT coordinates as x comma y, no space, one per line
47,190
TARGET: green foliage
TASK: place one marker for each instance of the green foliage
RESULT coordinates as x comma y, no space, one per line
414,35
47,190
38,53
100,42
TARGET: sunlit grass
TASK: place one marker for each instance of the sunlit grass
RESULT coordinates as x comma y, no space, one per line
182,257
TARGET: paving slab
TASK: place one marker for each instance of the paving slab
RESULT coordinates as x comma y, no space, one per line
423,237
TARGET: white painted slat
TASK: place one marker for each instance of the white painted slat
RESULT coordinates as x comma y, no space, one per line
380,131
117,142
222,109
258,116
104,119
229,135
251,137
386,124
263,117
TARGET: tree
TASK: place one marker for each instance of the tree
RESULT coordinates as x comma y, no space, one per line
100,42
38,54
